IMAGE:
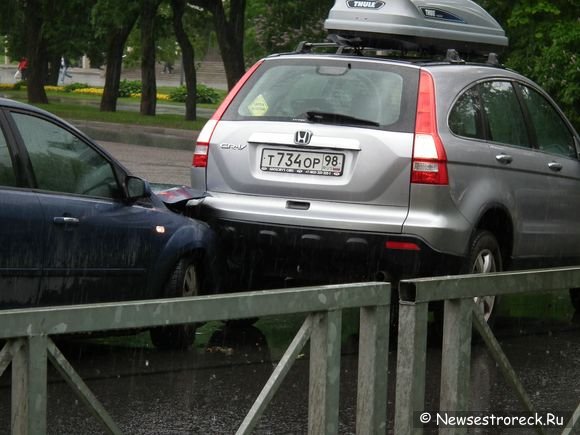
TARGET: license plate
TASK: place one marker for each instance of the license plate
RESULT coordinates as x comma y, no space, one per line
302,162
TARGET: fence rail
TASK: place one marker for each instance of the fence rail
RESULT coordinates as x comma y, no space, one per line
460,312
29,346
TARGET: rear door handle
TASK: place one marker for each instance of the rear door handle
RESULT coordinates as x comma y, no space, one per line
554,166
505,159
65,220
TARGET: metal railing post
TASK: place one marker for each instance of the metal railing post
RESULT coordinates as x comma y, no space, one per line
324,386
29,368
456,359
373,362
411,359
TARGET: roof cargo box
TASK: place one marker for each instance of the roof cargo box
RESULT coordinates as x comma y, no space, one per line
419,25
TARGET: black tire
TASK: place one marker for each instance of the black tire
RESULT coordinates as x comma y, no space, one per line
183,282
575,298
485,257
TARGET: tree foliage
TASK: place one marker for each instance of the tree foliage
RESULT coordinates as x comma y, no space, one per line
278,26
544,40
544,37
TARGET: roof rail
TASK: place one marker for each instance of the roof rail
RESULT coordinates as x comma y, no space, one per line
356,46
337,41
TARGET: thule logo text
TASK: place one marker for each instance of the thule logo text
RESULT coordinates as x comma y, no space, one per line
360,4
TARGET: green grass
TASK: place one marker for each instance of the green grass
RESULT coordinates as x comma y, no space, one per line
70,111
71,106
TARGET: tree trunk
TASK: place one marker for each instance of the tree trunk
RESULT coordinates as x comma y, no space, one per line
148,81
187,59
230,35
52,73
114,59
35,52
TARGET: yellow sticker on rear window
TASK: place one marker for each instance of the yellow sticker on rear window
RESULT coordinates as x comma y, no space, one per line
259,106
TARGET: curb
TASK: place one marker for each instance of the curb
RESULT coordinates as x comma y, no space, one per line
138,134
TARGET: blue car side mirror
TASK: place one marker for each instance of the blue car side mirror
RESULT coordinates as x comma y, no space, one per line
137,188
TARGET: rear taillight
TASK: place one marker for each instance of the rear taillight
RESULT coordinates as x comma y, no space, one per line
202,144
203,140
429,165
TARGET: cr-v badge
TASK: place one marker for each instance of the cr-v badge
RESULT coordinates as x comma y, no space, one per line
231,146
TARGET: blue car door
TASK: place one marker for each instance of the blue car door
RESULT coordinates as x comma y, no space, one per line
98,247
21,234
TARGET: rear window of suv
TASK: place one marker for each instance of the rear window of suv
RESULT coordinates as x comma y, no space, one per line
383,95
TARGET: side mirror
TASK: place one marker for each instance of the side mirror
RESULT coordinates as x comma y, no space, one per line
137,188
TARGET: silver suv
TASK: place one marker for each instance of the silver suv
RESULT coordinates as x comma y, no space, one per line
338,167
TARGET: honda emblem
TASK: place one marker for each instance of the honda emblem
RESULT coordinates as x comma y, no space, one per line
302,137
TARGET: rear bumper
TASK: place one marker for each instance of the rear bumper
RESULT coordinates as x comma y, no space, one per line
259,255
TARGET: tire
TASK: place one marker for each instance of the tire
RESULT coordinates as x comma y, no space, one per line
485,257
575,298
183,282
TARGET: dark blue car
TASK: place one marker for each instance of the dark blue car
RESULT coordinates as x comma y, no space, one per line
76,227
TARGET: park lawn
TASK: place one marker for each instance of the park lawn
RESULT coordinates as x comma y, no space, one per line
80,112
85,107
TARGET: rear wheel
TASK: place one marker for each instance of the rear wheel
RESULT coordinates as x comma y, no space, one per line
183,282
575,298
485,257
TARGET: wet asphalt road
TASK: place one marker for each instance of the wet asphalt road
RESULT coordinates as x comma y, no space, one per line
157,165
209,388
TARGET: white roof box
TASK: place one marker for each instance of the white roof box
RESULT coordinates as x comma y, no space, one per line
424,25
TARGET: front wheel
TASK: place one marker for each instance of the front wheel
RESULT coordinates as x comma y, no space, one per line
183,282
484,257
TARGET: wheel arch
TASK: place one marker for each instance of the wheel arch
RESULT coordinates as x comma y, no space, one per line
498,221
191,242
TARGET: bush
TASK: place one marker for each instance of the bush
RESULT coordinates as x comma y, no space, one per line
178,94
74,86
205,95
128,88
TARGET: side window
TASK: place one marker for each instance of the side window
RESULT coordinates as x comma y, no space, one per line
62,162
7,176
503,114
465,116
552,134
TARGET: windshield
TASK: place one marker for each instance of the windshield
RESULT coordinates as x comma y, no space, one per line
344,92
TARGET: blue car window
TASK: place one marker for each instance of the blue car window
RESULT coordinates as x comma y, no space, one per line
64,163
7,176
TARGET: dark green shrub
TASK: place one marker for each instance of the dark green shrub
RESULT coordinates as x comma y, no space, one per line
74,86
178,94
205,95
128,88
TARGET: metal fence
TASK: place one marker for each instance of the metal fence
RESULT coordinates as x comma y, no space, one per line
29,345
461,312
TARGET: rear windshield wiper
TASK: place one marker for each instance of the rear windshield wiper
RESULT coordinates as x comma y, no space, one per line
338,118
